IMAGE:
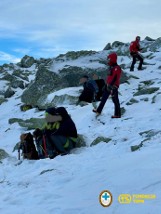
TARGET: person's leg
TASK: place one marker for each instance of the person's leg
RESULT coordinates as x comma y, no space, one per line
61,144
141,62
133,62
116,102
105,96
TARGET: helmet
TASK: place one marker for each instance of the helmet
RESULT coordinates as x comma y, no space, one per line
112,58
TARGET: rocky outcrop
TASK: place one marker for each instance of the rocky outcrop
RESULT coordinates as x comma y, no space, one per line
29,124
27,61
45,82
147,91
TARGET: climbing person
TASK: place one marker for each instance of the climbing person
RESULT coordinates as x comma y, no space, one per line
101,85
112,85
90,89
59,133
134,52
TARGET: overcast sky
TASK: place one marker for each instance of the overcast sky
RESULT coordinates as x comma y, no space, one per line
46,28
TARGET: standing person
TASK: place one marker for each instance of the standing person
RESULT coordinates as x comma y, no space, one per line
134,52
112,85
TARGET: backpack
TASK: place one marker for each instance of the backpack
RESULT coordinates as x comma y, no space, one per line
43,145
28,147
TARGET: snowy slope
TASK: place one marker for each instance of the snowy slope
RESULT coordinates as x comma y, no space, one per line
71,184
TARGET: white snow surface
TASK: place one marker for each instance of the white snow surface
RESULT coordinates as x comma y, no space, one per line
71,184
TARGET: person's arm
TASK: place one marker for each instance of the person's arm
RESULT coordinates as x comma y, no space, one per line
53,118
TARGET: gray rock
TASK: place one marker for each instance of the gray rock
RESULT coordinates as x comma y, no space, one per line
3,154
108,47
30,124
155,97
22,74
45,82
123,110
80,141
2,100
147,91
117,44
25,107
64,99
150,133
72,55
27,61
17,84
100,139
155,45
136,147
132,101
149,39
9,93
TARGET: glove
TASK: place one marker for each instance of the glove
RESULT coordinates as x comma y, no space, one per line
109,88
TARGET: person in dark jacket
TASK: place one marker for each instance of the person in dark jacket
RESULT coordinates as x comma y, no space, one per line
101,85
112,85
60,131
90,89
134,52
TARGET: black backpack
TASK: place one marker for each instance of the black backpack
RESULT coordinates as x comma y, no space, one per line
28,147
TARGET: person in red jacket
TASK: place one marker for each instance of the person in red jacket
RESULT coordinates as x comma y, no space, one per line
134,52
112,85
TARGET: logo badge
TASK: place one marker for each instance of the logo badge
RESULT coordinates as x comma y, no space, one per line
105,198
124,199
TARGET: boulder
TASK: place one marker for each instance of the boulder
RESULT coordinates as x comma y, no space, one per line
132,101
27,61
155,45
45,83
9,93
29,124
64,99
3,154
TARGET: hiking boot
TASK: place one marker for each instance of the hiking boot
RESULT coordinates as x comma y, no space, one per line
95,111
114,116
140,69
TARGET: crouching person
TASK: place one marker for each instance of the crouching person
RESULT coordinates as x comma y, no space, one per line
59,134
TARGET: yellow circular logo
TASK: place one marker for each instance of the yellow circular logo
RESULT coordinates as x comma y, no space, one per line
124,199
105,198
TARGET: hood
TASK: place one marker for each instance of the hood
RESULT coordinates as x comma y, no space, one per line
112,58
137,38
58,111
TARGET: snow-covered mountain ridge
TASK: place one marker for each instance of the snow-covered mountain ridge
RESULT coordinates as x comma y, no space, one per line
71,184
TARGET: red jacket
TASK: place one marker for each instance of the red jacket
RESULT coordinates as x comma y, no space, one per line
134,46
114,77
115,71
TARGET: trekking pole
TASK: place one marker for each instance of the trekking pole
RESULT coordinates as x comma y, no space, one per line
19,153
45,149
